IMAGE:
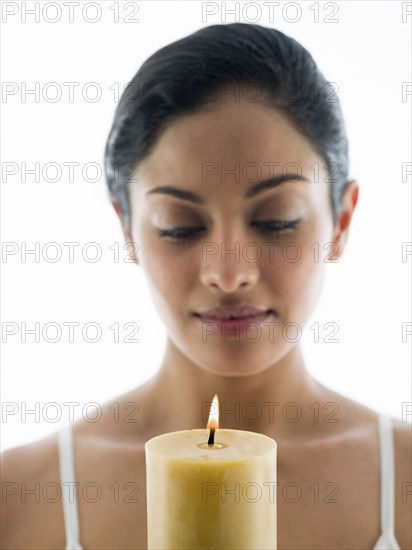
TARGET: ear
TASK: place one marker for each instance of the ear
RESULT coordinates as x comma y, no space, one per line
341,230
131,246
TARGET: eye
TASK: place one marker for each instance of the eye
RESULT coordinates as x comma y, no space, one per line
180,234
276,226
187,234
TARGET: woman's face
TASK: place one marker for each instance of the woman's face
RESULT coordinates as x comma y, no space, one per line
232,255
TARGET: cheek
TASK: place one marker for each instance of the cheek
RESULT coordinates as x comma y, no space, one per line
306,276
294,274
298,271
169,272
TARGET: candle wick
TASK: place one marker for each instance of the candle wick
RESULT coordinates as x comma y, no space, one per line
211,440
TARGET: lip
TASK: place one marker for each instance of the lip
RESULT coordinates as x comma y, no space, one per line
239,312
236,325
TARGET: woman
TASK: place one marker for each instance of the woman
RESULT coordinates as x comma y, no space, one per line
227,164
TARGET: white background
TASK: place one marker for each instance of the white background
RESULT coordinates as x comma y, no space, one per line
366,52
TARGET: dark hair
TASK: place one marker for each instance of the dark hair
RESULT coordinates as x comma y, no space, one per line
189,73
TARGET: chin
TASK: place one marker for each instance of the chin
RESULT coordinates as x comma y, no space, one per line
236,365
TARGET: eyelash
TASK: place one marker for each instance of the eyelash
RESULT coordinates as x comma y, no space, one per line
186,234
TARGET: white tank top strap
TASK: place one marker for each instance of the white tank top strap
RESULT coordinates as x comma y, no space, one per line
68,485
387,540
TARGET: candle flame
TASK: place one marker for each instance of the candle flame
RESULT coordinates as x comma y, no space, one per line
214,414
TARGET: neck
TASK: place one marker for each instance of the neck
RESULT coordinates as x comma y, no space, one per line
278,402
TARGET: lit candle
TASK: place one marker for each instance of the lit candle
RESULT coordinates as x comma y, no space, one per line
211,489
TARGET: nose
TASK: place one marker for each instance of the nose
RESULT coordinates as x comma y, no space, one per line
229,267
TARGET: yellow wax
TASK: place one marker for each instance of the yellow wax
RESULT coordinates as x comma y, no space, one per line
222,496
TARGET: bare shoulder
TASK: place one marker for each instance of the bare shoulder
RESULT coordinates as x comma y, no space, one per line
31,510
364,419
402,434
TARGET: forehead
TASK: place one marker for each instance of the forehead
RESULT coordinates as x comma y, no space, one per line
240,142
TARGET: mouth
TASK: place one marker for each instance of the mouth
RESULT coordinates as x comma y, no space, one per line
234,320
233,313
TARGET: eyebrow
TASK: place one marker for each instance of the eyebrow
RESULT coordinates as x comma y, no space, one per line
253,191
